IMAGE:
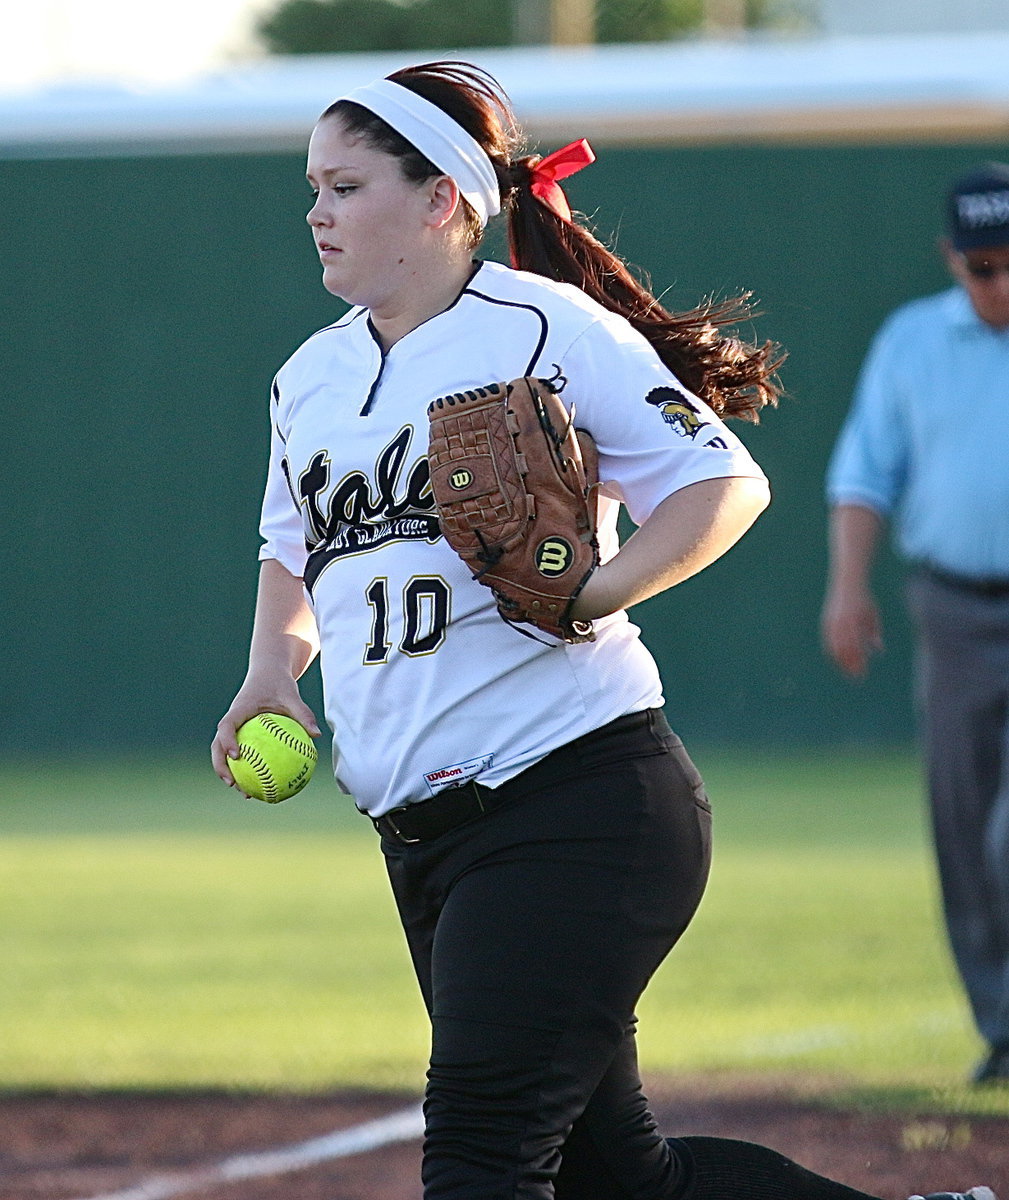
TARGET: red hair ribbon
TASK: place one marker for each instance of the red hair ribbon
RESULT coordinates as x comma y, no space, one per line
559,165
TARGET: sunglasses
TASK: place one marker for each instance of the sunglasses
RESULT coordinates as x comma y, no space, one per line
984,270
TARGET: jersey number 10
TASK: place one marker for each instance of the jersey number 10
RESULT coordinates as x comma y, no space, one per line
426,608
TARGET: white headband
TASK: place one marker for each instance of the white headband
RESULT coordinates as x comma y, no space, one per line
438,137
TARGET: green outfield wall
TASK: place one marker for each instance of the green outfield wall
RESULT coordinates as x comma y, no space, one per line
149,300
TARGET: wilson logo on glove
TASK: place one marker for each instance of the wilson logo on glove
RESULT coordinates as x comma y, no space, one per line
553,557
508,470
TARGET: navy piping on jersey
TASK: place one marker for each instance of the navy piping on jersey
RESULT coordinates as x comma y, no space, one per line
349,319
544,326
275,397
285,466
370,399
467,291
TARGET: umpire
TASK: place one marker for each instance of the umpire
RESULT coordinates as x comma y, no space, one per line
927,443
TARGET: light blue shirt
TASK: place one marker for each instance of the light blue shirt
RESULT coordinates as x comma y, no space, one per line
927,440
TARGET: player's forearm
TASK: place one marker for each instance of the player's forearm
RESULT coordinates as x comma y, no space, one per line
686,533
853,537
285,637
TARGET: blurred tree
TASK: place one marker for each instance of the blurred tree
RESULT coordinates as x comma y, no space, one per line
342,26
646,20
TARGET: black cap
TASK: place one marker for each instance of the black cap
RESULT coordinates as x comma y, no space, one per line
978,208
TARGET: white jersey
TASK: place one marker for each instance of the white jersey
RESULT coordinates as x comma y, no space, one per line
425,685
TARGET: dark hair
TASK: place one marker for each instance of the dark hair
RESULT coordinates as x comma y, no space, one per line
736,378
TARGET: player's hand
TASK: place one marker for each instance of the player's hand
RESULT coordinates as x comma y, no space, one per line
257,696
850,629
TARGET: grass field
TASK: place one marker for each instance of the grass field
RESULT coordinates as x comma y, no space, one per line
161,931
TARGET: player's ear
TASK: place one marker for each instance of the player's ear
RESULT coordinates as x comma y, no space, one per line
443,200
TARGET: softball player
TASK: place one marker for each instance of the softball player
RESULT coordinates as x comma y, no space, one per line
546,835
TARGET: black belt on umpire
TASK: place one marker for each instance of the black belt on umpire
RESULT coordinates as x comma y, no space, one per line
427,819
991,589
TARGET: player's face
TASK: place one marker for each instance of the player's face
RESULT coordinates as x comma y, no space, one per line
368,221
984,275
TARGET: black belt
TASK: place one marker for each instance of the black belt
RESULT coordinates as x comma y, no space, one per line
455,806
991,589
451,808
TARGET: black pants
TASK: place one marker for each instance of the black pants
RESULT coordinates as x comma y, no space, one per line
534,930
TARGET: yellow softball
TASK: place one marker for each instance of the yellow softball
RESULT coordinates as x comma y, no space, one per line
277,758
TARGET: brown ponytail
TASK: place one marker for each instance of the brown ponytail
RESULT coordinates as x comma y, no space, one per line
736,378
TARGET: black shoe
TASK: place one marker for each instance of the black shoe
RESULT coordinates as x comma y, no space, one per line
994,1068
975,1193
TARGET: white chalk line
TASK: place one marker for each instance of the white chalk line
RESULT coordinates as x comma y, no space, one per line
402,1126
408,1124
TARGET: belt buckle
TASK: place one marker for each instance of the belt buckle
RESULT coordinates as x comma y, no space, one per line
391,824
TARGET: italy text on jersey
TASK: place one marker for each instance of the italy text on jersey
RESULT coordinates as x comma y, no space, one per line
360,516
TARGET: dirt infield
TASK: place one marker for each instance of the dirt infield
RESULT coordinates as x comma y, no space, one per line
72,1147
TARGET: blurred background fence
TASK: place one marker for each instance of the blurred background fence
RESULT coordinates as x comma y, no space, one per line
153,283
